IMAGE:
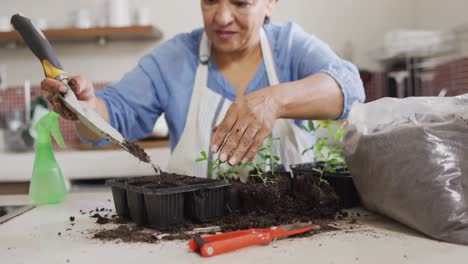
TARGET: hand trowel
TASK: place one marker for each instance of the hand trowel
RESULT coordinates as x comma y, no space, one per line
40,46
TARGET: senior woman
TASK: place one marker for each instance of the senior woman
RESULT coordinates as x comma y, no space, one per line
226,87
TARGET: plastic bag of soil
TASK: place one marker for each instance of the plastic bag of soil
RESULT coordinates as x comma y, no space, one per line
409,160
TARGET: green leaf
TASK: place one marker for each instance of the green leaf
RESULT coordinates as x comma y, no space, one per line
244,165
305,128
307,150
200,159
311,125
339,136
203,153
319,147
231,171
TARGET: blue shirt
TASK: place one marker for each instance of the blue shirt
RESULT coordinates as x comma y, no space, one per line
163,79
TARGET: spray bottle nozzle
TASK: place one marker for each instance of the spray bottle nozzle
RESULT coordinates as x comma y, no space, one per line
48,125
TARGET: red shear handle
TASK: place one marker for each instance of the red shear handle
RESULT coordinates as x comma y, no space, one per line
231,244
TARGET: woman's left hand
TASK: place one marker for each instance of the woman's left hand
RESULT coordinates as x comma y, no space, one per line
246,125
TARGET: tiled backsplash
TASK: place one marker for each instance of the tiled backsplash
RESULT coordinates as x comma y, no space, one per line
452,76
373,86
13,98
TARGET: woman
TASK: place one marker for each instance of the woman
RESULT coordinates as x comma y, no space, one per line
226,88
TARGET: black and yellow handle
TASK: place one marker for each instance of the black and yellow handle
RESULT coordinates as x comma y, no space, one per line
39,45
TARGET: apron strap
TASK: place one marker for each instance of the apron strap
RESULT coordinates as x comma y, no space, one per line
204,51
267,53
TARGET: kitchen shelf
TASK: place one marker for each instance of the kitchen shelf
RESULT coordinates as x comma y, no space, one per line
101,34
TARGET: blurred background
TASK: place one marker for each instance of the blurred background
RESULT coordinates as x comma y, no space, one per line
402,48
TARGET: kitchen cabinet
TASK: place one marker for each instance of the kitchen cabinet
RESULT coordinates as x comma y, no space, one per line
100,34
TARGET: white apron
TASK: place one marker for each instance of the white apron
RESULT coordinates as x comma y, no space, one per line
207,109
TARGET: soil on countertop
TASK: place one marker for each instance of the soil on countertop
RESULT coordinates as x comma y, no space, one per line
260,206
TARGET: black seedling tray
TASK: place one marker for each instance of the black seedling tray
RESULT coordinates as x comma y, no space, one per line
162,205
345,189
119,193
205,204
342,183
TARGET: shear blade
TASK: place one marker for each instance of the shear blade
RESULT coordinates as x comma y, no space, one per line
295,226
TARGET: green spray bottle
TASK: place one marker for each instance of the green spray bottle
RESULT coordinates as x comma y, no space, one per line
47,183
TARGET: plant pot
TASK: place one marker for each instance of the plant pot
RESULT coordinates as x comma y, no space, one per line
232,198
161,201
205,204
136,201
281,177
258,197
164,205
301,189
342,183
119,193
344,187
284,181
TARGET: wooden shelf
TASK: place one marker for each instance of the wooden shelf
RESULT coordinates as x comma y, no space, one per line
91,34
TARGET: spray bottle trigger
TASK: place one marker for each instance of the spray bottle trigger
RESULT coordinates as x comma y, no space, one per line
55,131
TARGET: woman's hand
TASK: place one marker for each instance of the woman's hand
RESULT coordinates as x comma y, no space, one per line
83,89
246,125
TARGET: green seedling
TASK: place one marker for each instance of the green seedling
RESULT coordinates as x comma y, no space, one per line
331,155
267,160
215,166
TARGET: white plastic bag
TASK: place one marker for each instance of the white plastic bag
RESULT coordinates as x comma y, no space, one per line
409,161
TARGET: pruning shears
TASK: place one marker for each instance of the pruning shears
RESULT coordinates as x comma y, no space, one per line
213,245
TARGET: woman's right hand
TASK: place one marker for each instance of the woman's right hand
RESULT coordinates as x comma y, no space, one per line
82,88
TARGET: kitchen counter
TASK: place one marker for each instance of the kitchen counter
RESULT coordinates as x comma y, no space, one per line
83,164
33,238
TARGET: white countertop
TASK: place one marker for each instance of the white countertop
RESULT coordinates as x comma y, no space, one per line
83,164
32,238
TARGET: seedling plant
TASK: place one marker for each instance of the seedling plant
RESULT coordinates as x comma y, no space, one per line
330,155
266,157
216,166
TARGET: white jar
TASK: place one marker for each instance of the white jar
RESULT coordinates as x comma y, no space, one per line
83,18
119,13
5,24
143,16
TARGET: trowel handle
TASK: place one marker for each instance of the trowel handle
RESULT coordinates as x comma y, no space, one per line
39,45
